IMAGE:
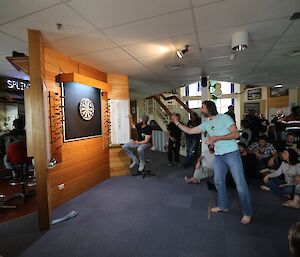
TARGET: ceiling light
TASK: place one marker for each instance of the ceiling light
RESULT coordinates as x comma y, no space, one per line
278,85
239,41
180,53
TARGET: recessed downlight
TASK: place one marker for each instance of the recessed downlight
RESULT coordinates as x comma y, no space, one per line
278,85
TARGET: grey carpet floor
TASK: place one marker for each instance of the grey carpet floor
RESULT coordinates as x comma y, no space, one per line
156,217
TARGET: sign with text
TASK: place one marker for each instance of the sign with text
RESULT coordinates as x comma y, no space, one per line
13,83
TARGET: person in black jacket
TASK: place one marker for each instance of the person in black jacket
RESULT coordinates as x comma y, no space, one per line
192,141
175,135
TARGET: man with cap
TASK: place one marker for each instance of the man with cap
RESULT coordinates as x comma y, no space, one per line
142,143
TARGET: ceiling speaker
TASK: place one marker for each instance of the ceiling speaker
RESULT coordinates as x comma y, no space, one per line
204,81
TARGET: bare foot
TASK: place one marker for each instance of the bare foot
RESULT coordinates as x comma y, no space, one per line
218,209
246,219
265,188
292,204
286,202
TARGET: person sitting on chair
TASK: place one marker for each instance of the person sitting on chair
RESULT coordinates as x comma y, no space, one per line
204,166
142,143
18,134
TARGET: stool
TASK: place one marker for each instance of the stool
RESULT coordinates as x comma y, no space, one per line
145,172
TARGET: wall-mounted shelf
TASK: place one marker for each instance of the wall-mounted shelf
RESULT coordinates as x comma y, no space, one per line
20,63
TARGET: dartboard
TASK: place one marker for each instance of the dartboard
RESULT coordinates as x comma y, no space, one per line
86,109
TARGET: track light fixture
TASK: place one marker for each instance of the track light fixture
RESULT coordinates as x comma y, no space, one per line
180,53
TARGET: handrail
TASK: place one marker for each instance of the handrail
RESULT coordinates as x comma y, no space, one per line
163,115
162,105
166,98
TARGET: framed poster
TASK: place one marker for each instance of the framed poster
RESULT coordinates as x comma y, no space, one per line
252,106
274,92
254,94
81,111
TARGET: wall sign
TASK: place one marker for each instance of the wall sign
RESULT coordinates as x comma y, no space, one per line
14,83
17,84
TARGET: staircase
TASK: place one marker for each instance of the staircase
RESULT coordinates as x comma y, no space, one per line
160,108
157,113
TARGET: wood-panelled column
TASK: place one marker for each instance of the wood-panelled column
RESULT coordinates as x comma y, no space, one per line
36,125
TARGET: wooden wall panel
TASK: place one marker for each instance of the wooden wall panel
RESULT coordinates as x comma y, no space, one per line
85,163
120,86
119,162
36,114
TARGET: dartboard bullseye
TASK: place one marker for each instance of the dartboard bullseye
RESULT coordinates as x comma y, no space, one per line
86,109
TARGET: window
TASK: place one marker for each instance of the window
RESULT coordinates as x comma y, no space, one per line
222,104
194,89
226,87
194,104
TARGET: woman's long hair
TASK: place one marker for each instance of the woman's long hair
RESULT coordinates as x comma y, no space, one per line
211,107
293,156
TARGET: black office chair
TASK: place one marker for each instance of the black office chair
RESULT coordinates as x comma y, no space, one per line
4,201
146,172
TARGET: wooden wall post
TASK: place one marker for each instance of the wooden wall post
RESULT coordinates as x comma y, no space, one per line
36,127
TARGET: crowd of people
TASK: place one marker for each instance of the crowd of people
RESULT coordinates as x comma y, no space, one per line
262,150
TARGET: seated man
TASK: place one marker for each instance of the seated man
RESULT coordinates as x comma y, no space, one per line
18,134
265,153
143,143
204,166
249,162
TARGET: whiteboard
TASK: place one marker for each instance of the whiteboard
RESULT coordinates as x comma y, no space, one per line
119,111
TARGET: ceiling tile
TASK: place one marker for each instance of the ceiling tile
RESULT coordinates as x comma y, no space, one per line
105,56
166,26
216,51
289,42
257,31
294,28
11,10
107,13
163,47
72,24
236,12
125,66
82,44
205,2
8,44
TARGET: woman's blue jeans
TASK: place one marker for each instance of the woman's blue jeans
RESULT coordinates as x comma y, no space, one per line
232,162
274,184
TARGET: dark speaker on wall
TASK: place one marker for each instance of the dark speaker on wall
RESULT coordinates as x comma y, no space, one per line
204,81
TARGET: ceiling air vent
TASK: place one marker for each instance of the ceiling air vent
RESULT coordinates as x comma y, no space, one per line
295,16
294,53
174,66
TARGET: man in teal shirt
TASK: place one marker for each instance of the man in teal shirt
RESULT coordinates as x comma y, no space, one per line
223,133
